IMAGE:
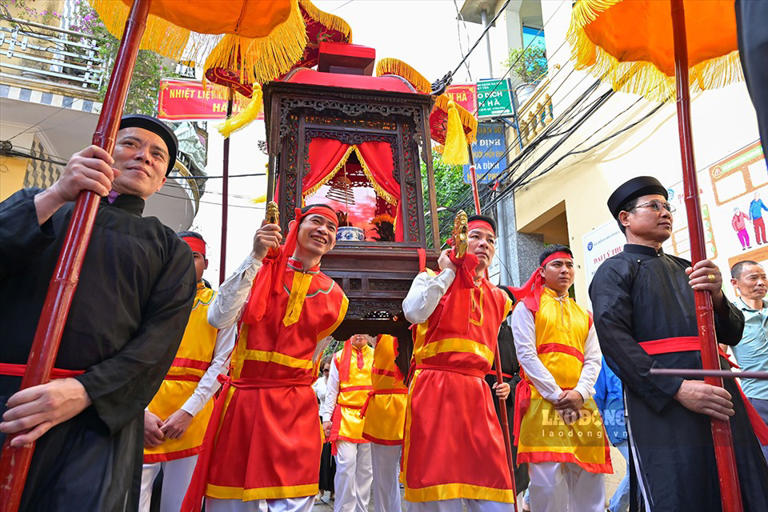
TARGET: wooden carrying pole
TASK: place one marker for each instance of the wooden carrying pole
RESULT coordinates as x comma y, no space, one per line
730,493
503,416
225,198
14,462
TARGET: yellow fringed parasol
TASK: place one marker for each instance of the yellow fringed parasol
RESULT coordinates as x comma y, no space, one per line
267,36
629,44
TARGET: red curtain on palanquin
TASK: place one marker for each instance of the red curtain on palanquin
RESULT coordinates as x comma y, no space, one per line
328,156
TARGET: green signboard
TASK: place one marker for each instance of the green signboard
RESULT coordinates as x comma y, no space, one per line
494,98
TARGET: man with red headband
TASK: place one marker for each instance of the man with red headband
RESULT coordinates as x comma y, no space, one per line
348,385
450,418
263,450
645,315
558,429
176,418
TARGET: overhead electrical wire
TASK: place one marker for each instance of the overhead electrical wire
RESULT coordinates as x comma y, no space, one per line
459,21
509,69
485,31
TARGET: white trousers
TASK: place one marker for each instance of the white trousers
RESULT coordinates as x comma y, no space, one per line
386,470
458,505
282,505
565,487
352,482
176,476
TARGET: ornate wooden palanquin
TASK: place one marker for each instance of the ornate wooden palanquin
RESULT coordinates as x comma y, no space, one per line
355,109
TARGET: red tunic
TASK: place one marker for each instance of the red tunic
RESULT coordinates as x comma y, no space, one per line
270,439
450,420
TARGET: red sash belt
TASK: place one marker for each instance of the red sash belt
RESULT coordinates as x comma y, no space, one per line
546,348
692,344
355,388
187,378
194,497
183,362
384,391
387,373
492,373
188,364
17,370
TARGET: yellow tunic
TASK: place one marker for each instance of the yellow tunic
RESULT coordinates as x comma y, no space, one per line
192,360
353,392
561,333
384,411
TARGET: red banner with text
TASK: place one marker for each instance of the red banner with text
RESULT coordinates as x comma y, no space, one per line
464,95
189,100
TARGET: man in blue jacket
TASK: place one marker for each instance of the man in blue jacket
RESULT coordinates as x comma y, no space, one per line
609,396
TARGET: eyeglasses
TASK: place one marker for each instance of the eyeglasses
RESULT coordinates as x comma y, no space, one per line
326,371
657,206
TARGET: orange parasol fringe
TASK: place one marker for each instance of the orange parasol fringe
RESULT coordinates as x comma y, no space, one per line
455,151
467,119
245,117
326,19
642,78
160,36
390,66
265,58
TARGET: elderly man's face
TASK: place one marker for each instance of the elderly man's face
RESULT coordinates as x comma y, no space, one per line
649,219
752,283
142,158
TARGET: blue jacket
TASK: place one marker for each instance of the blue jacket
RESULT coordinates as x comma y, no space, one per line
756,208
609,396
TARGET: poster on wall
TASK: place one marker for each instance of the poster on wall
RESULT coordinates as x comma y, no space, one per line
734,207
599,245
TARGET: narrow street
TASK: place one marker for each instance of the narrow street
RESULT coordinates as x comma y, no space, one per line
611,483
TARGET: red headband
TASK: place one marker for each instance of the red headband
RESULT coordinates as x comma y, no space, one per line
530,292
194,243
324,211
556,256
269,280
477,223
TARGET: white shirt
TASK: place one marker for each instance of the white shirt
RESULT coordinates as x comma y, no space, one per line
209,384
233,292
424,295
524,331
319,387
331,392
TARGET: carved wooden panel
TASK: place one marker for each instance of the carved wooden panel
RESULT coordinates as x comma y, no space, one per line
349,105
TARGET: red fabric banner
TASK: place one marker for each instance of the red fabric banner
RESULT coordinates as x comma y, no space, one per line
464,95
185,100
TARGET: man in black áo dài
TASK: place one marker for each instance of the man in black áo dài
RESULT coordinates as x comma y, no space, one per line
124,327
645,316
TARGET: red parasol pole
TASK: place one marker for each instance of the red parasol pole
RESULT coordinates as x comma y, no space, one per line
225,200
14,462
730,493
503,417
